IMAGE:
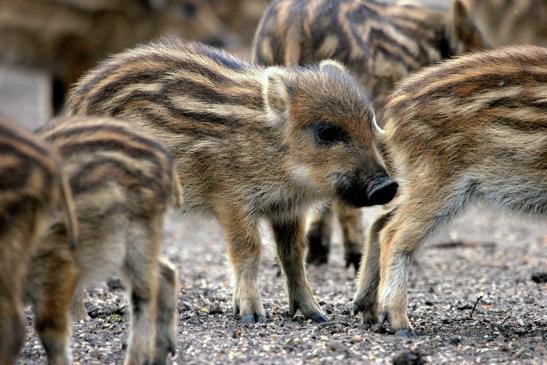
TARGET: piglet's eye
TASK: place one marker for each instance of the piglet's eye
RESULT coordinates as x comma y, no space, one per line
189,9
326,134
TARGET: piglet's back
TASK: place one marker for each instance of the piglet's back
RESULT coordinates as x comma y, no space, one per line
112,164
29,172
481,120
477,103
497,89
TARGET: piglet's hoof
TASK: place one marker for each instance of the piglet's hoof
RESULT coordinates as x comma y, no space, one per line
407,333
382,319
319,318
162,353
253,318
357,307
353,259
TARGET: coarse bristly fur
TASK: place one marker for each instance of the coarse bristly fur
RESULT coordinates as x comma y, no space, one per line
380,43
474,128
32,190
122,181
250,143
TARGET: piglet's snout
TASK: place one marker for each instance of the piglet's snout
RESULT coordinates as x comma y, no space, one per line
381,190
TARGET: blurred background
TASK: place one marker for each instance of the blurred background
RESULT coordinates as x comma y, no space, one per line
45,45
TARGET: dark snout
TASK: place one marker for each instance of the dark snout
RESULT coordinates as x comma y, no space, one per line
376,191
381,190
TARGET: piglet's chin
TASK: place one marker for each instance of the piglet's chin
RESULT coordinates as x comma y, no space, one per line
354,195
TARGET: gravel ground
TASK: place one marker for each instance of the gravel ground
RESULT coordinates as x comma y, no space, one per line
479,256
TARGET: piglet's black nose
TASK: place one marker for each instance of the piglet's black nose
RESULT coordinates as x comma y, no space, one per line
381,190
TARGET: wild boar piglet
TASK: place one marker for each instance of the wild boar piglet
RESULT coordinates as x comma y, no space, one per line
250,143
380,42
474,128
32,191
122,181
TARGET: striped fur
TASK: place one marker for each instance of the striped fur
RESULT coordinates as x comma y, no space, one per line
474,128
378,42
123,182
248,145
31,190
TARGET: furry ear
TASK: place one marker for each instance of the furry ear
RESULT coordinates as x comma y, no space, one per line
275,93
332,63
466,36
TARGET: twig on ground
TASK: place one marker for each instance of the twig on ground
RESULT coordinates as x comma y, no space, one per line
474,307
462,244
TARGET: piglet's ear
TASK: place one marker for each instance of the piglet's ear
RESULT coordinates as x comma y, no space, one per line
324,65
464,29
276,95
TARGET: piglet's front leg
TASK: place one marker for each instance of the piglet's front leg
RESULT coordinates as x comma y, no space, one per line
290,243
244,248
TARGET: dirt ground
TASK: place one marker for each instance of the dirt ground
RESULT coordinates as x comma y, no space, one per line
480,256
